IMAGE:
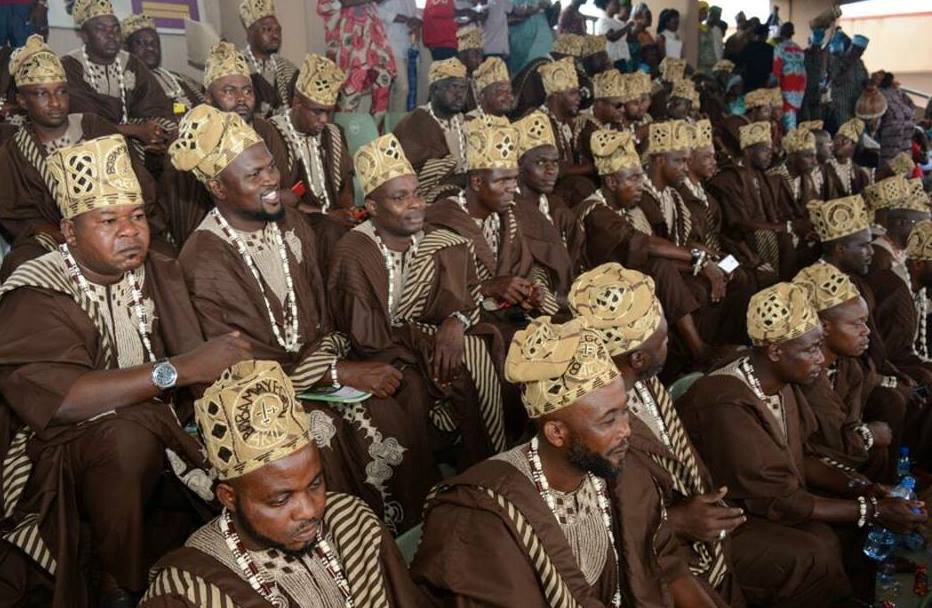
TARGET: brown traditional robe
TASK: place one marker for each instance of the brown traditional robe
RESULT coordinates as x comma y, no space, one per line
180,89
569,146
728,138
845,179
551,233
103,471
204,573
440,169
273,82
371,449
529,87
490,539
781,557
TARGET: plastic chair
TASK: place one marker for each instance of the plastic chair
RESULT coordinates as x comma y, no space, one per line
392,119
360,129
408,542
679,388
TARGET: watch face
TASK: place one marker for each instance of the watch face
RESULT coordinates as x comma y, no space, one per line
164,375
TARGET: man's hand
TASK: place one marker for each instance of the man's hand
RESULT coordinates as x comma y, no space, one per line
447,361
205,363
512,290
717,281
380,379
149,132
704,517
883,436
898,515
535,299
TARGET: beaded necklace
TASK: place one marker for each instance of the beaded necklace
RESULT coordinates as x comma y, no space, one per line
92,72
667,201
291,340
754,382
176,90
332,564
921,344
564,132
697,190
454,124
543,488
319,189
390,267
255,62
491,226
845,173
648,400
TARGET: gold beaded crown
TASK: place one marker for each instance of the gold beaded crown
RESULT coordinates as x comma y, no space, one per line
853,129
757,98
916,200
838,217
826,286
613,151
618,302
136,23
919,243
379,161
556,365
668,136
902,163
224,60
886,192
94,174
468,38
320,80
251,11
491,146
672,69
724,65
491,71
569,44
84,10
209,140
249,418
700,134
635,85
36,63
608,84
447,68
559,76
776,96
799,140
780,313
534,130
754,133
811,125
593,45
685,89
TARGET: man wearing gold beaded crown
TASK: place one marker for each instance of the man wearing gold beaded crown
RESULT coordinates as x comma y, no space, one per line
848,177
98,339
252,265
528,82
283,538
29,213
607,111
919,264
413,298
750,426
273,75
494,95
106,80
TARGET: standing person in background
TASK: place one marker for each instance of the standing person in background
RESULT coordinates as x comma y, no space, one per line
403,28
571,20
19,19
816,62
756,60
639,36
789,66
847,75
898,122
615,26
495,29
668,24
440,29
272,75
529,34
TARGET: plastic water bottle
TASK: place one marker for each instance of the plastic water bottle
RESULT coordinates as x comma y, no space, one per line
880,543
904,464
912,541
886,587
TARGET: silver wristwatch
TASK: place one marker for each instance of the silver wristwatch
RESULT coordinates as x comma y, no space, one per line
164,375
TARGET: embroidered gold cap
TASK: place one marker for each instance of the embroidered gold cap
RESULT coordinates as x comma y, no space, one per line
593,44
447,68
209,140
826,286
902,163
136,23
724,65
853,129
36,63
251,11
534,130
780,313
224,60
613,151
569,44
559,76
490,71
84,10
919,243
799,140
556,365
379,161
491,146
94,174
757,98
685,89
838,217
668,136
249,418
916,200
811,125
635,85
672,69
468,38
776,96
618,302
755,133
700,134
608,84
886,192
320,80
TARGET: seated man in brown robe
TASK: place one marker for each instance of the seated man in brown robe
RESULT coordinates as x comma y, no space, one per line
607,111
750,425
282,538
800,173
273,76
727,134
849,177
142,40
528,85
493,85
469,52
680,103
412,299
251,266
106,80
96,336
594,60
621,304
183,199
29,214
543,522
838,397
637,118
919,263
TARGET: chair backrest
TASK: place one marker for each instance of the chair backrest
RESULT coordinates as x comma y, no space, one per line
360,128
391,120
408,542
679,388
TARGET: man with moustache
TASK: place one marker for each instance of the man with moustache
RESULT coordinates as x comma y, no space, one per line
402,295
99,344
750,426
272,74
495,96
282,538
252,265
607,111
847,176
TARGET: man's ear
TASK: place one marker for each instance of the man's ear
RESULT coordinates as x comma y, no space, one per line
556,433
68,231
216,189
226,494
475,182
774,352
371,207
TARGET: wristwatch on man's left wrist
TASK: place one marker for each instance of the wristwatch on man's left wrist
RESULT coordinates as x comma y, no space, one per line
164,375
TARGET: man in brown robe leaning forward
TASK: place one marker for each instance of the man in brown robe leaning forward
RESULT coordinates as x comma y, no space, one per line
750,424
96,336
282,538
541,523
252,266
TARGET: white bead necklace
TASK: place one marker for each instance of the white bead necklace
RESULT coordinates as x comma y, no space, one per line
176,91
92,73
845,172
390,267
327,555
255,62
565,132
454,124
921,344
648,400
543,488
291,340
319,190
256,576
754,382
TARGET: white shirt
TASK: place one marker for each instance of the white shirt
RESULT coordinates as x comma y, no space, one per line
617,50
397,32
672,44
